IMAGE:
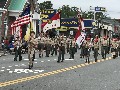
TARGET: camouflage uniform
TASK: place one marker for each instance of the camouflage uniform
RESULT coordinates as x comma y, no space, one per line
61,51
72,49
87,50
96,48
104,47
18,46
31,50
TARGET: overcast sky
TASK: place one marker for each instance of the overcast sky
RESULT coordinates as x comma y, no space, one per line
112,6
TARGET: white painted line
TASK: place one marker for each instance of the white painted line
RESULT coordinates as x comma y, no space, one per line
42,61
55,59
23,64
8,69
30,71
26,59
2,70
69,59
48,60
35,62
10,66
35,72
35,59
3,67
18,72
16,65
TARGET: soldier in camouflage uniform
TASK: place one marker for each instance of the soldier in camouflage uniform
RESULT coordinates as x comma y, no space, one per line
32,44
87,50
48,46
118,47
104,45
61,51
18,45
96,48
114,46
72,48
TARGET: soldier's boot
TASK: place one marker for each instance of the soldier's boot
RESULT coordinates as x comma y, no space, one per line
20,58
96,60
62,60
88,60
39,55
114,56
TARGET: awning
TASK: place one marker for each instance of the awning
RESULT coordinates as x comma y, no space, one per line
16,5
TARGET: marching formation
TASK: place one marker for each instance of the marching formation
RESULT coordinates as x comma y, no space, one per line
60,45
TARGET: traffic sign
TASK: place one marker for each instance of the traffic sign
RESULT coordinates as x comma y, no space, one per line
103,9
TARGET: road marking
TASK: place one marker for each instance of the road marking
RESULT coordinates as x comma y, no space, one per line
3,67
16,65
69,59
9,66
8,69
2,70
55,59
35,62
26,59
12,82
48,60
42,61
26,71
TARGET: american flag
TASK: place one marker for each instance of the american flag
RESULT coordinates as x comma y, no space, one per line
24,18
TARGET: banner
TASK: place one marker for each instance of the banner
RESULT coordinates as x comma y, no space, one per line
81,39
73,22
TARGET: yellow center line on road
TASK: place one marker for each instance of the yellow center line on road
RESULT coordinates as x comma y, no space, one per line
12,82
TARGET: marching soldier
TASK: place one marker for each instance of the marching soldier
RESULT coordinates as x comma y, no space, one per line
68,44
48,47
54,47
31,48
72,48
18,46
104,43
119,47
96,48
87,50
41,45
82,50
114,47
61,51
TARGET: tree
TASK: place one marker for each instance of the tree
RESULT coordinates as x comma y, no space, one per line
46,5
68,12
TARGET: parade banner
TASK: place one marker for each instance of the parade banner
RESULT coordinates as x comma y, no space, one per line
81,39
47,14
73,22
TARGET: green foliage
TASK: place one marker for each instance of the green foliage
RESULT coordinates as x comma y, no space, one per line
46,5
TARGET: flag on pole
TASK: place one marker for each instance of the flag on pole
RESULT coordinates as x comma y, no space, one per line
54,22
23,19
80,36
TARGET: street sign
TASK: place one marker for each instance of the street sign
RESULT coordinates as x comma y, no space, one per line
103,9
71,32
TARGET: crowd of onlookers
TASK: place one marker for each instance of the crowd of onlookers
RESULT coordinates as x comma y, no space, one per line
7,45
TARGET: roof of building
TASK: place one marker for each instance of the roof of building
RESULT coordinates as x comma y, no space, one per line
16,5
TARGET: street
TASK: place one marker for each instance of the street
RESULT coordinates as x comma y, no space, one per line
47,74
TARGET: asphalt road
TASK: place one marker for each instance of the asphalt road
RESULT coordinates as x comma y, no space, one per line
47,74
